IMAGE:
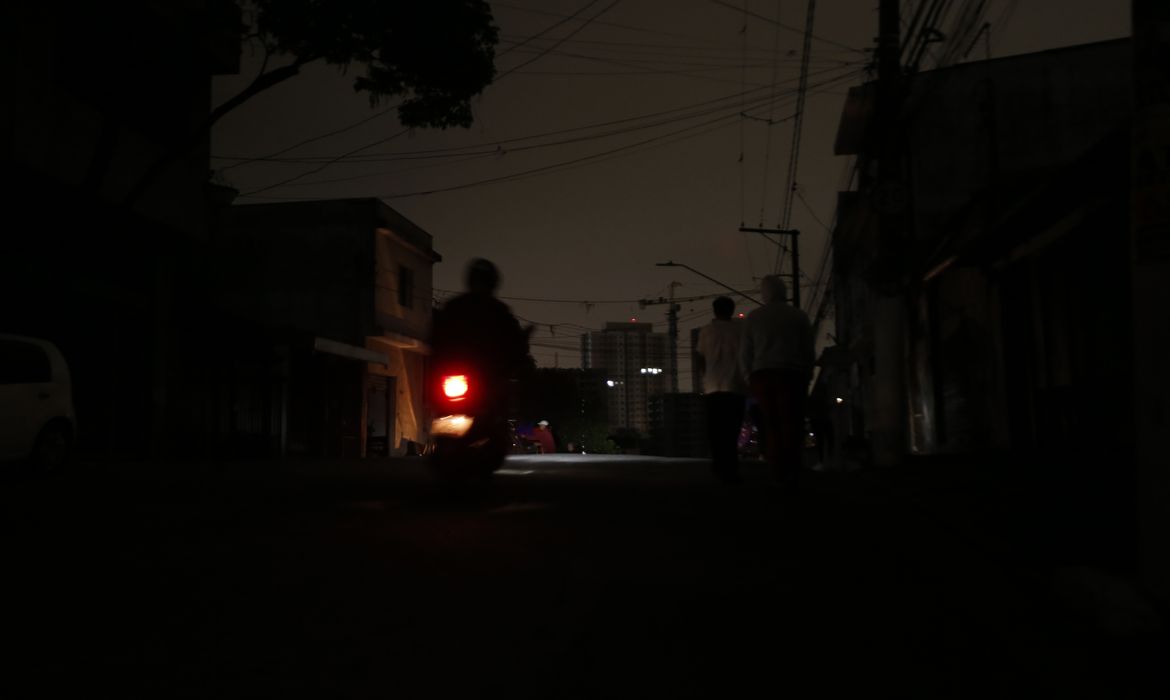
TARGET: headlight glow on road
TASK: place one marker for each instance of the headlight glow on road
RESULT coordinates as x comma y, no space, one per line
451,426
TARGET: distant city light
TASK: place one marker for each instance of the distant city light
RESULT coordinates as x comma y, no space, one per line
650,370
610,382
840,400
741,314
633,320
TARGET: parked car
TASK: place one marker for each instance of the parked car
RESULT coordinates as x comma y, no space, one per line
36,402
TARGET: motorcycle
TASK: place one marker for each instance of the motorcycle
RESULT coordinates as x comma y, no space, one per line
470,433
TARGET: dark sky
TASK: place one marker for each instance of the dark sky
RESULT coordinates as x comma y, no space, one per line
673,189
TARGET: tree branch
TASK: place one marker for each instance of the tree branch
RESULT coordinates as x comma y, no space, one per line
262,82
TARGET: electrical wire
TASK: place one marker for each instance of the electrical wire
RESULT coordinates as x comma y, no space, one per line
366,120
714,123
646,30
324,165
561,41
768,140
457,150
790,28
497,152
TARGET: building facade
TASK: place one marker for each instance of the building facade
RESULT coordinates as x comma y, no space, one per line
1000,244
342,290
1003,325
635,362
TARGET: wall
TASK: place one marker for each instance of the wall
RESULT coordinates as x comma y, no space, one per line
991,146
308,267
1019,118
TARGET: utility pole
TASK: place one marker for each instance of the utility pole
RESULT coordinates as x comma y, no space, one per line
1150,280
672,326
794,235
672,330
888,420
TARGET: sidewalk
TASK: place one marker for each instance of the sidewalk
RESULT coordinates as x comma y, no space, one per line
1070,550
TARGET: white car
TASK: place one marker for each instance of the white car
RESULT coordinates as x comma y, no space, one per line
36,402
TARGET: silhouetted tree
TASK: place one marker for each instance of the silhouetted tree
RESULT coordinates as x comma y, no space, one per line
436,55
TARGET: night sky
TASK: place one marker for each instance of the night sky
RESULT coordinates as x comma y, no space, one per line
672,185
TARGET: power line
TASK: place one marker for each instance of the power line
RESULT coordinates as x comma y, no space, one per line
547,29
529,172
505,141
596,157
655,47
691,72
312,139
365,120
678,58
794,152
768,140
645,30
823,284
801,92
785,26
561,41
747,248
559,301
460,150
574,161
811,212
635,64
499,152
294,178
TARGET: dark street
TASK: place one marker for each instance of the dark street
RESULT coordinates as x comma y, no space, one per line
585,349
567,576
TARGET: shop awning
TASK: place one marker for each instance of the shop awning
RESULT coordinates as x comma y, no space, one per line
353,352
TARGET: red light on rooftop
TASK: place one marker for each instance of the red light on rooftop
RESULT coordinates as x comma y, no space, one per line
633,320
741,314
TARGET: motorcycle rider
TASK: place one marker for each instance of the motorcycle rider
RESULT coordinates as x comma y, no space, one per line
477,332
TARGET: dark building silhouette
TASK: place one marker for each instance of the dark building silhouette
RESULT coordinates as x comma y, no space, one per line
97,95
1003,327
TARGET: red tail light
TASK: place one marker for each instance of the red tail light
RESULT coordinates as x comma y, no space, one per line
455,386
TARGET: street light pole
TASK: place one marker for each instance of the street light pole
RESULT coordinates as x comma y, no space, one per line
672,325
733,290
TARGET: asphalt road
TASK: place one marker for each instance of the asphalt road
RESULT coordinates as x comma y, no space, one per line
566,576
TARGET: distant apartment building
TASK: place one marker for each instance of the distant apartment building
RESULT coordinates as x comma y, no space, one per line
635,364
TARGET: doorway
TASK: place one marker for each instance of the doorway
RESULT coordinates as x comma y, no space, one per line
379,415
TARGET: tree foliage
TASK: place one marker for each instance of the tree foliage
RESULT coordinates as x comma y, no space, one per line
436,55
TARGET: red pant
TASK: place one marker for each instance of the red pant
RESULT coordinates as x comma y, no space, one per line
781,395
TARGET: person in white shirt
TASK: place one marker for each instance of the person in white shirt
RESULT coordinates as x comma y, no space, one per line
777,356
718,351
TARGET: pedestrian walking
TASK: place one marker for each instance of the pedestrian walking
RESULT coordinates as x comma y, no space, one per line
777,356
718,354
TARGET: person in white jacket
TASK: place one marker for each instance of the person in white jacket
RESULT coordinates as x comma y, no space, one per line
777,357
724,388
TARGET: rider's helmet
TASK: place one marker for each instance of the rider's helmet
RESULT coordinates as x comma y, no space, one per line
482,276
